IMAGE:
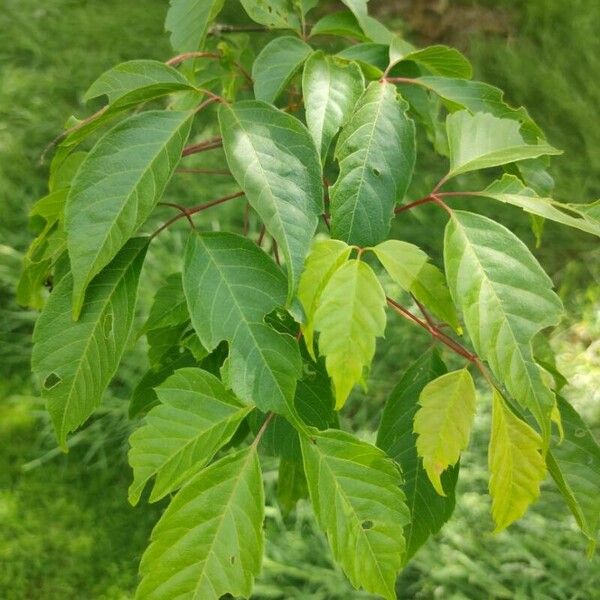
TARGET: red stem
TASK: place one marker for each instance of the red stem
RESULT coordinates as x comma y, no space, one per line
210,144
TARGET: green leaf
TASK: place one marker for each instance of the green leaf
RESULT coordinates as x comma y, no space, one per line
429,510
349,318
480,141
331,88
574,465
443,422
376,151
372,58
476,97
506,298
209,542
274,14
355,492
230,285
511,191
438,60
402,261
137,81
275,66
373,29
516,465
189,21
291,484
274,160
169,307
195,418
342,23
325,257
75,361
116,188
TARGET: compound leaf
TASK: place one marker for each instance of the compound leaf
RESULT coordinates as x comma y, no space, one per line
331,88
443,422
274,160
75,360
209,542
506,298
516,465
325,257
231,285
429,511
275,66
376,151
189,21
480,141
355,492
116,188
196,416
349,318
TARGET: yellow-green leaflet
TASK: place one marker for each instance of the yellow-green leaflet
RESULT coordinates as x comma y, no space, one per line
350,316
443,423
516,465
325,257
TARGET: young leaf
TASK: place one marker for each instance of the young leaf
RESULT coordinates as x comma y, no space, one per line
443,422
189,20
196,416
429,510
516,465
274,14
275,66
209,542
511,191
274,160
137,81
169,307
116,188
574,464
331,88
506,298
480,141
75,361
325,257
438,60
355,492
230,285
342,23
376,152
349,318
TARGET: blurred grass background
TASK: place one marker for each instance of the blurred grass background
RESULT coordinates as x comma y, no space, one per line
66,530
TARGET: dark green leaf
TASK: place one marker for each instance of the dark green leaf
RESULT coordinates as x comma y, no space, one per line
189,21
342,23
274,14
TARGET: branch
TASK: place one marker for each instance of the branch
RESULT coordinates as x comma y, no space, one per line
210,144
177,60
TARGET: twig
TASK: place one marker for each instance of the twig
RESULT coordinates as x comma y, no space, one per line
183,209
262,429
261,235
223,172
177,60
209,144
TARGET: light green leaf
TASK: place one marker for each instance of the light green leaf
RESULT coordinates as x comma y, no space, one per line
274,14
116,188
373,29
274,160
429,510
195,418
331,88
189,21
510,190
438,60
476,97
376,151
209,542
291,484
325,257
480,141
443,422
574,464
75,361
342,23
230,285
516,465
402,261
355,492
349,318
506,298
275,66
169,307
137,81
